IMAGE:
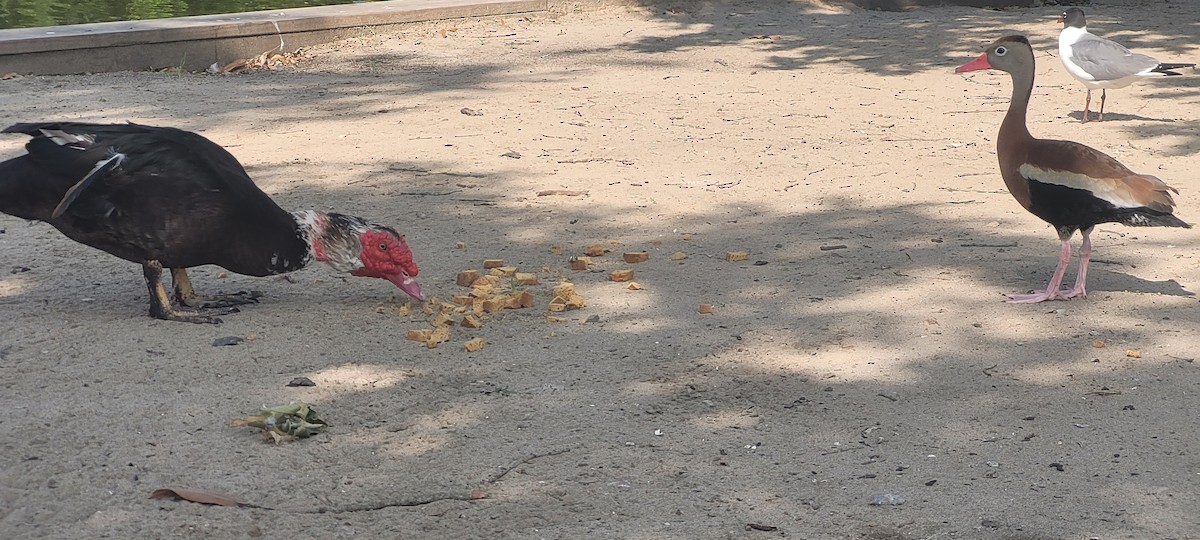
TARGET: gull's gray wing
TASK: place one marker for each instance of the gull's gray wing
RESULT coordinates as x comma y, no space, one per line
1107,60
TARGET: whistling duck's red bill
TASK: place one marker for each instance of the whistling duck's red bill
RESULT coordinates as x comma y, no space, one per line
974,65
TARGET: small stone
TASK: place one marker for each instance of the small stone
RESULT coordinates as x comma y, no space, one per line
887,499
301,381
227,341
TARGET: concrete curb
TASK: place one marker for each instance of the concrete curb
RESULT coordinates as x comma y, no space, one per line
196,42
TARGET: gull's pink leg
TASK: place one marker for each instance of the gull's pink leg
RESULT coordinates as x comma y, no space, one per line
1086,104
1103,96
1053,290
1085,255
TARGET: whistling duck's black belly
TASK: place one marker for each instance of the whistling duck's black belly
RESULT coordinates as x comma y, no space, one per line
1067,207
1070,208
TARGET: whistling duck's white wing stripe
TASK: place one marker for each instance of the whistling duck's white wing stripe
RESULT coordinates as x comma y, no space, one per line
1103,189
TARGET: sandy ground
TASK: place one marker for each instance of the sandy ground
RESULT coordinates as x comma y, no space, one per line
863,349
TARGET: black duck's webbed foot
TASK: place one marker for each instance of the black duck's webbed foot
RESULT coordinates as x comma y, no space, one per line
160,302
186,296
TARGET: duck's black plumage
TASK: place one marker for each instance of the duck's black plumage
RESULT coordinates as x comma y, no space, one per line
168,198
176,197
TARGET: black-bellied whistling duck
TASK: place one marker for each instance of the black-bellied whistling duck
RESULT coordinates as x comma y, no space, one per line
1102,64
1070,186
167,198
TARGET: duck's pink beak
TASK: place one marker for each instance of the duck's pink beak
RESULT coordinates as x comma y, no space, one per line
974,65
407,284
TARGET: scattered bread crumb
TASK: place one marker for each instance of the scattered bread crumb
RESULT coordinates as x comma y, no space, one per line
633,257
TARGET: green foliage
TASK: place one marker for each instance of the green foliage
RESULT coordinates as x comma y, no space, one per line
33,13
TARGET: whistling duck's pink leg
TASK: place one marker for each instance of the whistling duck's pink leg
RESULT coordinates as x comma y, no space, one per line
1053,290
1085,255
1103,95
1086,104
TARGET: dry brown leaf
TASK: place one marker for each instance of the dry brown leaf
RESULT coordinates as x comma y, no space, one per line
1133,354
1099,344
196,495
734,256
705,308
678,256
235,65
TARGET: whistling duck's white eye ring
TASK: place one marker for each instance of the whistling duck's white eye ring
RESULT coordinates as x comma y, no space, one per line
1001,51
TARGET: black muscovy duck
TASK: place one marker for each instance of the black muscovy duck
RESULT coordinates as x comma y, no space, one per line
168,198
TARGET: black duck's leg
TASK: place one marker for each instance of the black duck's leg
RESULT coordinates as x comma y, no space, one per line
185,295
160,303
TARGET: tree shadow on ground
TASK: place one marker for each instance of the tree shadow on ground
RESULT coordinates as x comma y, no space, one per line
871,354
785,407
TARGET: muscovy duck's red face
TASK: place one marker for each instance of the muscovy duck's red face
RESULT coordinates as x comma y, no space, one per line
386,255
